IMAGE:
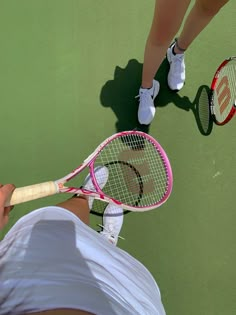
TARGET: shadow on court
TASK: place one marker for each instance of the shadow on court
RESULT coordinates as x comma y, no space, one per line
99,208
202,110
119,94
199,106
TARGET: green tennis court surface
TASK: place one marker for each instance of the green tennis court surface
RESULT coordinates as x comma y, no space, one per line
69,73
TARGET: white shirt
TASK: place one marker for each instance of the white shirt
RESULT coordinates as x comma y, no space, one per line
50,259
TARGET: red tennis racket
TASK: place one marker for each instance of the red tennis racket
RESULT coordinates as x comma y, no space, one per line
138,174
223,92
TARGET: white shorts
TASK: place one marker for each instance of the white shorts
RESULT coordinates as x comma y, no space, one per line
50,259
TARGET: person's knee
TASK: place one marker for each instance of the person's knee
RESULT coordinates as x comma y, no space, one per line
161,39
210,7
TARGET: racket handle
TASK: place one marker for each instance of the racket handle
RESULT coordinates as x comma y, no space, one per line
32,192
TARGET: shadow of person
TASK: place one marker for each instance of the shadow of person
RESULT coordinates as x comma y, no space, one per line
119,94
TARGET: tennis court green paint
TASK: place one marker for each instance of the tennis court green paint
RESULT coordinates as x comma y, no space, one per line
69,74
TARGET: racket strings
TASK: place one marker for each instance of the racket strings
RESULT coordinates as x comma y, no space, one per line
232,81
137,171
225,91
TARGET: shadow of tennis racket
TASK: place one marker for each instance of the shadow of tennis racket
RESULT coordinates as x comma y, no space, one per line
202,110
128,172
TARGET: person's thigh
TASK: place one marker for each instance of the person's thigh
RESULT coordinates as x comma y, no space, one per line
168,17
211,6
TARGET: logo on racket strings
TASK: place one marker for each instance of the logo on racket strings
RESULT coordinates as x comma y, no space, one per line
223,94
134,176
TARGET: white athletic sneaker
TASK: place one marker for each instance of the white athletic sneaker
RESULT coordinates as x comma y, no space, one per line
112,223
101,174
146,110
176,75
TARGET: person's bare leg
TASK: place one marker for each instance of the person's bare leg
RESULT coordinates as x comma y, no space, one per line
78,206
199,17
168,16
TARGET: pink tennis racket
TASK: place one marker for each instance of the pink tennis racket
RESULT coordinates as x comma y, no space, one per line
139,174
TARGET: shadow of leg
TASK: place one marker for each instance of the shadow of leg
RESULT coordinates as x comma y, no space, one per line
119,94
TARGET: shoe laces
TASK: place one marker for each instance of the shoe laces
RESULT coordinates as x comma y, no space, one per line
178,62
108,231
144,96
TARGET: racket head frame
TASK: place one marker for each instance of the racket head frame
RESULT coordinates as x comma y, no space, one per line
99,194
211,96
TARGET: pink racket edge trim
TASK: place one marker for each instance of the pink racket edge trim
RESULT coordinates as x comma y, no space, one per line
90,159
108,199
166,163
99,194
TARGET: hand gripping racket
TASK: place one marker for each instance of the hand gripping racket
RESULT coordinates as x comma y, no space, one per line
139,174
223,92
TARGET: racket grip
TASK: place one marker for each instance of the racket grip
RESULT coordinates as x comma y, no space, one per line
32,192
